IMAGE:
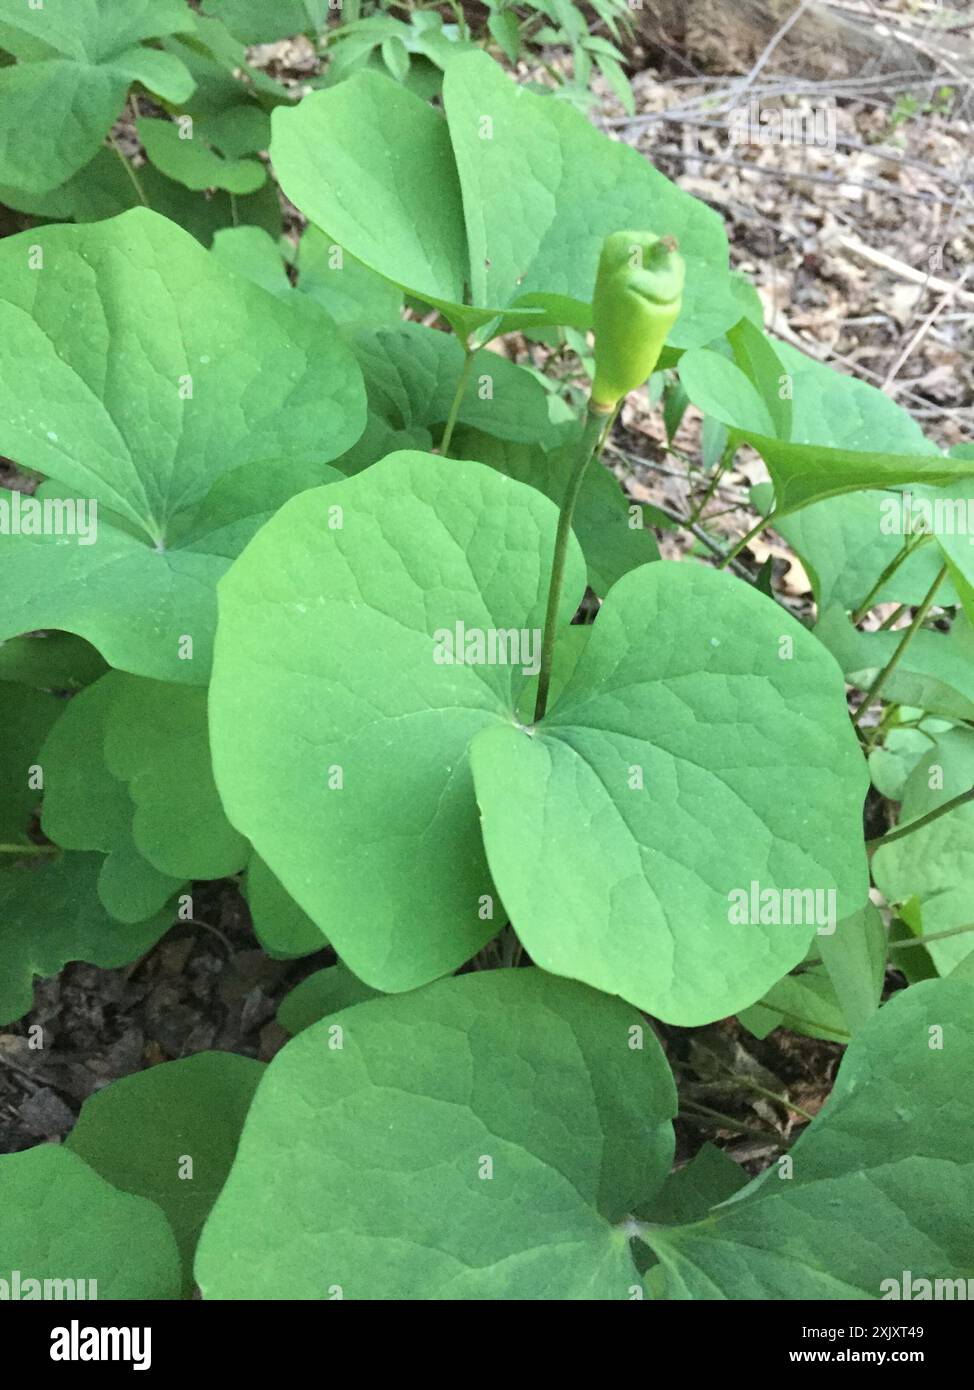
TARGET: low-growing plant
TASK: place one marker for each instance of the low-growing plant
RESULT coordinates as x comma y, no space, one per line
344,607
413,44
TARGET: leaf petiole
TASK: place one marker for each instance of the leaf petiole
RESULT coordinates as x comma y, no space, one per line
596,428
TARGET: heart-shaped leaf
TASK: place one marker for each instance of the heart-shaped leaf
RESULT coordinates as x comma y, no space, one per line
79,58
626,831
376,759
618,830
481,1138
510,196
216,374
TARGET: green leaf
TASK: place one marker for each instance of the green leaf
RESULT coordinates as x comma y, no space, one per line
711,1177
89,28
170,1134
149,611
156,742
890,1151
604,519
237,130
536,1076
845,545
637,906
192,162
411,377
844,435
130,888
103,189
805,473
283,930
505,32
264,21
250,252
855,958
50,661
323,993
902,749
404,217
620,830
87,808
935,673
349,290
396,57
129,765
423,542
758,358
50,914
617,80
26,717
267,379
55,112
834,999
935,863
435,210
59,1220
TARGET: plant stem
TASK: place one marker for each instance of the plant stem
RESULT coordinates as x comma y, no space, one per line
453,416
29,849
921,821
722,463
587,448
783,1101
892,618
698,1111
897,656
136,181
754,531
931,936
902,554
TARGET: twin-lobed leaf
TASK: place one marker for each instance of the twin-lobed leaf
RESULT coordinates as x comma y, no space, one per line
78,59
510,196
482,1138
692,752
187,404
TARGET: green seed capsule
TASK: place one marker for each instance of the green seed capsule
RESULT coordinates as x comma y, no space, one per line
637,299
